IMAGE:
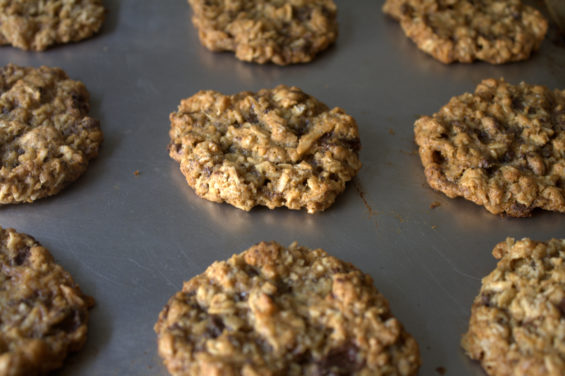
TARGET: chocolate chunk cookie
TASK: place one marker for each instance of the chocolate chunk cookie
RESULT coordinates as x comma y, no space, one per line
466,30
277,147
278,31
502,147
38,24
46,137
43,313
290,311
517,324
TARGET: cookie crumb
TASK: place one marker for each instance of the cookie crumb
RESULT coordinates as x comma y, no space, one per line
441,370
136,173
435,204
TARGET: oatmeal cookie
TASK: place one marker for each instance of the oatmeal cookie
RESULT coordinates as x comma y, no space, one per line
38,24
278,31
290,311
43,313
46,137
502,147
517,325
277,147
466,30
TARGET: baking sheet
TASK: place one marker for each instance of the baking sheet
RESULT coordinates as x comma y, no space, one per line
131,240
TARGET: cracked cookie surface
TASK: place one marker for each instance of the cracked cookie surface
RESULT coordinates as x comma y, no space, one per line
46,137
466,30
517,324
38,24
278,147
502,147
43,313
261,31
293,311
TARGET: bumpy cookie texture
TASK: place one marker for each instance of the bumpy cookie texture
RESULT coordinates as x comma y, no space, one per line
466,30
46,137
277,147
278,31
38,24
43,313
502,147
275,311
517,325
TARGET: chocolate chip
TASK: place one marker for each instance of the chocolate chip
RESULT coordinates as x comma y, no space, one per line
215,327
353,144
507,157
283,287
341,361
22,256
437,157
485,299
561,307
303,14
483,137
252,118
520,210
241,297
250,271
70,322
79,102
406,9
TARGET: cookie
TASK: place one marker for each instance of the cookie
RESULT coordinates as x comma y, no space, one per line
502,147
280,31
278,147
43,313
38,24
466,30
290,311
46,137
517,324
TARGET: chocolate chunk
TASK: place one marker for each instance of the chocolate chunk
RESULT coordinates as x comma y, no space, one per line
561,307
22,256
70,323
215,327
341,361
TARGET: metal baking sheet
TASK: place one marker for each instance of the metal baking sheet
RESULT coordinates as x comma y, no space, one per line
131,240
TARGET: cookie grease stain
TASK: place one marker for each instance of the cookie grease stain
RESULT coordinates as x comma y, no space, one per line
359,189
441,370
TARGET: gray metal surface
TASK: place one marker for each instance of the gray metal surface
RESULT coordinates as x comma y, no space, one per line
130,241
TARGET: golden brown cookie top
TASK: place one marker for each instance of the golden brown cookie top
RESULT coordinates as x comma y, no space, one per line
38,24
278,31
502,147
46,138
43,313
278,147
273,310
466,30
517,324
